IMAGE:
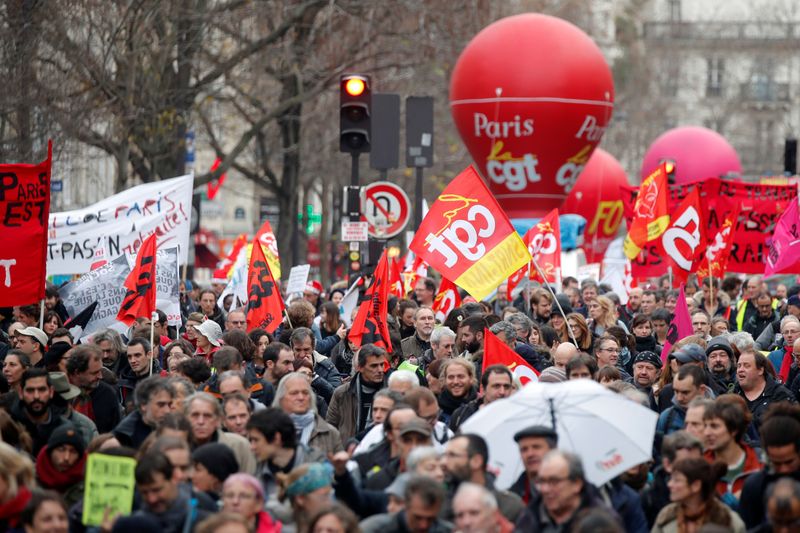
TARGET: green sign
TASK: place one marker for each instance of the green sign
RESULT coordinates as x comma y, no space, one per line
109,485
312,219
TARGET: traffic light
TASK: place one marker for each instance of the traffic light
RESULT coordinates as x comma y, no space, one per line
355,100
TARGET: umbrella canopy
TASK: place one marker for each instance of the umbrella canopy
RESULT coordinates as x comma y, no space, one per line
608,431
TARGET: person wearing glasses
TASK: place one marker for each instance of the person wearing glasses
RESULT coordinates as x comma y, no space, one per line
243,495
607,352
562,494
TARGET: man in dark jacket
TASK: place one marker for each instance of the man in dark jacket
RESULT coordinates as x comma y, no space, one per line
534,443
763,317
563,494
423,500
154,397
350,409
721,365
758,388
34,410
140,359
98,400
497,382
780,438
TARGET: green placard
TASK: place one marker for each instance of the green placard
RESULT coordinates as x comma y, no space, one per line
109,484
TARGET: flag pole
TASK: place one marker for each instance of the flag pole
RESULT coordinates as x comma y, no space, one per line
41,314
289,320
153,319
561,309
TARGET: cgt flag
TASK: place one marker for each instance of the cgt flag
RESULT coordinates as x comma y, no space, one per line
680,327
446,300
24,212
269,244
684,240
719,249
544,244
650,216
468,238
140,300
264,302
496,352
370,326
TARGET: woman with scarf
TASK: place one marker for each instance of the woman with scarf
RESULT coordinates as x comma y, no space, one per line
643,333
243,495
458,379
16,482
309,489
694,503
296,398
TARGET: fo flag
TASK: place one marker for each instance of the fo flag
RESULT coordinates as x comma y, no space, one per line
370,326
264,302
685,239
446,300
140,300
680,327
650,216
24,211
719,247
468,238
496,352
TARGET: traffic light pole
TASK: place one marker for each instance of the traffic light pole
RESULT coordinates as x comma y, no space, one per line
418,200
354,178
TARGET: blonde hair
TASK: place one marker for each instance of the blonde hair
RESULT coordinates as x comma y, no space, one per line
468,366
16,468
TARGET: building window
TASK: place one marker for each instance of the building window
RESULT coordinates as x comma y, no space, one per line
674,8
670,77
239,213
716,68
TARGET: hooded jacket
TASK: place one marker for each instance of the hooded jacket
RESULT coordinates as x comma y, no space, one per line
68,483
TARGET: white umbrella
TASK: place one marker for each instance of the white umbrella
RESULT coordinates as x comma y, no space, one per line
608,431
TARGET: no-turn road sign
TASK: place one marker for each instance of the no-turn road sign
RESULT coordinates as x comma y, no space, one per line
386,208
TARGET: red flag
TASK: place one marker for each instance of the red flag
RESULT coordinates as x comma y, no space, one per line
224,267
264,302
680,327
396,286
784,246
544,244
370,326
468,238
418,269
685,238
446,300
213,186
269,245
140,300
496,352
514,279
24,212
718,250
650,218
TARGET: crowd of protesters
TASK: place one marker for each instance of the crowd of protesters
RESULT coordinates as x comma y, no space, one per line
301,430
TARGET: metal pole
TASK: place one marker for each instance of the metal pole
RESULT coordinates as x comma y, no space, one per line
418,204
561,309
354,169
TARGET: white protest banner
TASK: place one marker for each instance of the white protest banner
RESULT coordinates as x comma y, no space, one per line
106,286
298,277
118,225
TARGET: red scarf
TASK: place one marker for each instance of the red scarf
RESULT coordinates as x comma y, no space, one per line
10,510
50,478
786,365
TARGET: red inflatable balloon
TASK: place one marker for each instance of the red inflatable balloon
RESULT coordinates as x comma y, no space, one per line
698,153
597,197
531,96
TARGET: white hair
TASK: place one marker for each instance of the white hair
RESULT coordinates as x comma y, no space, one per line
280,390
440,332
404,376
789,318
742,340
466,489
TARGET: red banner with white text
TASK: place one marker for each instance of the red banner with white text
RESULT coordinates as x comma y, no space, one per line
761,206
24,211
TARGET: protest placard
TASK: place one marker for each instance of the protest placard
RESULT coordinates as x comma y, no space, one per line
117,226
298,277
109,485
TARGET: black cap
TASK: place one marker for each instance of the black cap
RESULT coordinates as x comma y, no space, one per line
648,357
536,431
217,458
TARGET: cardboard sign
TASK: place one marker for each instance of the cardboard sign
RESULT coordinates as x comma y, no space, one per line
109,485
298,277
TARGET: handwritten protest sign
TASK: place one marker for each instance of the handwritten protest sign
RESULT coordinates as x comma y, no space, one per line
298,277
105,285
117,226
109,485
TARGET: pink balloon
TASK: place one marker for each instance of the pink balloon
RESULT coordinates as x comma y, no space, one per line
698,153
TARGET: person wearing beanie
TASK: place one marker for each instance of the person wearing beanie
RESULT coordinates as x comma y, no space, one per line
213,463
54,360
60,465
721,365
